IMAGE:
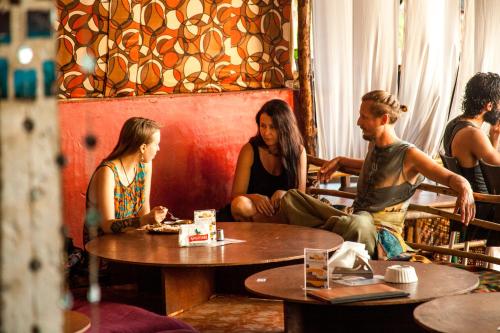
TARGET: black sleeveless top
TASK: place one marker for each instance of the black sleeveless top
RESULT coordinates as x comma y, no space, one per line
475,177
261,181
474,174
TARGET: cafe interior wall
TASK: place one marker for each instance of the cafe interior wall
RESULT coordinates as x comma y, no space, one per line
30,198
201,68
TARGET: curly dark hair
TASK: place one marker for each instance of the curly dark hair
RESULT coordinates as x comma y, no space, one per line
482,88
289,138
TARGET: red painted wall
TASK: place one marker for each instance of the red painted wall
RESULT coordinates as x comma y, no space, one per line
200,141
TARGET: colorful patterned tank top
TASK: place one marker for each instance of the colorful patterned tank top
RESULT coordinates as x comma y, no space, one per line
128,199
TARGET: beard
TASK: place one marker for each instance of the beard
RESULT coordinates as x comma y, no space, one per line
492,117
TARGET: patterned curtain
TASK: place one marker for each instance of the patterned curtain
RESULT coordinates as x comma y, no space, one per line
131,47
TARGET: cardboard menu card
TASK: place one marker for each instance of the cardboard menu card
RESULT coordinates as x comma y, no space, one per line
207,217
347,294
316,273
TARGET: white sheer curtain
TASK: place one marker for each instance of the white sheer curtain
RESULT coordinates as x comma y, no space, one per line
428,70
480,45
355,51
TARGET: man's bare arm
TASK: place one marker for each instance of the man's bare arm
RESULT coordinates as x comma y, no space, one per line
483,148
417,161
329,168
494,135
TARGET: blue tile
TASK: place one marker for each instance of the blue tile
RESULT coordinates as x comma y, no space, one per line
49,77
4,70
39,23
25,83
4,27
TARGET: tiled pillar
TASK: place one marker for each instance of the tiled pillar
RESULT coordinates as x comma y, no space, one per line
30,199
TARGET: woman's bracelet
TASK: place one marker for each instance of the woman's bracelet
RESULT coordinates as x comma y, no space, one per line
118,226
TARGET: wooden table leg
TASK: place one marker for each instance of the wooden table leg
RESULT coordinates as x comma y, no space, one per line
312,318
293,317
187,287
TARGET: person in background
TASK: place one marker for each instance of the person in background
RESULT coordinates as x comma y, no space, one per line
464,140
118,192
389,175
272,162
463,137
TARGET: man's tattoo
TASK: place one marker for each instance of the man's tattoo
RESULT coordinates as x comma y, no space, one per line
119,225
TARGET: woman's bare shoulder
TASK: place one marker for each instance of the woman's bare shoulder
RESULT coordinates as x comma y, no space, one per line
246,150
246,154
103,173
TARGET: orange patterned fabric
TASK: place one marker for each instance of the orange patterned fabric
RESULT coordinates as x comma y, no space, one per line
131,47
82,43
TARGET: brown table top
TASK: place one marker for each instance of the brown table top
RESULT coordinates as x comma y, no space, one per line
264,243
463,313
287,283
75,322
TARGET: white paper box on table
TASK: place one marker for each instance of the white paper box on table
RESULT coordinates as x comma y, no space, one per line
194,234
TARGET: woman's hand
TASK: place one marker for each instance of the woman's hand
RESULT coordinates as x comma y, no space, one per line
276,199
156,215
263,204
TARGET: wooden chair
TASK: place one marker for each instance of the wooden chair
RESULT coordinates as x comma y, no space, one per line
491,174
454,249
451,163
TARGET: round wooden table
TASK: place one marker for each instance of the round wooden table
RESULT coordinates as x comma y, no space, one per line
463,313
306,314
188,272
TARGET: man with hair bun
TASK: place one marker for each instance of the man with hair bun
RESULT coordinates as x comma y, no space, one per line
389,176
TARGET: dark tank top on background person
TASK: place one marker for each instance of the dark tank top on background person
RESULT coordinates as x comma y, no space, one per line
474,174
261,181
475,178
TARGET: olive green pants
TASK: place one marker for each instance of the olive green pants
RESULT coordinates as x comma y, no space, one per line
301,209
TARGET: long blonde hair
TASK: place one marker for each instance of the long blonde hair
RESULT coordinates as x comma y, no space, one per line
135,132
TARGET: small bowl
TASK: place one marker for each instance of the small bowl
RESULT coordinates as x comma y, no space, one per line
400,274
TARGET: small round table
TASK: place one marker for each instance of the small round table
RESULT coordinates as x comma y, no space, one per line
306,314
463,313
188,272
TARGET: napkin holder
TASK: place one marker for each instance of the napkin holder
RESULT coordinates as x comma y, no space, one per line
361,267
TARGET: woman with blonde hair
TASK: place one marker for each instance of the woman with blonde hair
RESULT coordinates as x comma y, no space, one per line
118,192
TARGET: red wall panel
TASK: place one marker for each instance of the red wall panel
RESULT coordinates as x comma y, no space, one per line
201,138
